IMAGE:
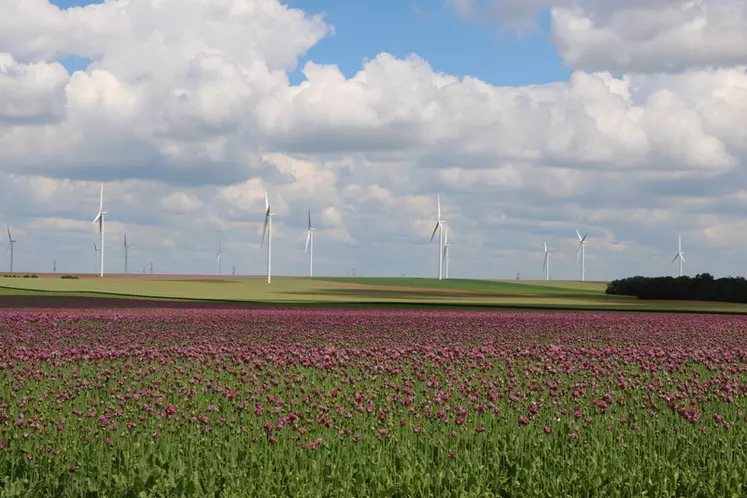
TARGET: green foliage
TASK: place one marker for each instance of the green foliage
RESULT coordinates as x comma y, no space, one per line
702,287
69,277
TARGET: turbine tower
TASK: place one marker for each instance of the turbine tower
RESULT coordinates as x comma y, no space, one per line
126,255
582,253
680,254
11,243
310,246
446,251
546,264
268,230
440,229
100,219
218,257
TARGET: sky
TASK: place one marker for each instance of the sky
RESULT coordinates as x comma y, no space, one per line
530,118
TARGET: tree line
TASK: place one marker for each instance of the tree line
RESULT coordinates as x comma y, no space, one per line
702,287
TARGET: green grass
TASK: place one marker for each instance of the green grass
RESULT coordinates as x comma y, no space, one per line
361,291
526,287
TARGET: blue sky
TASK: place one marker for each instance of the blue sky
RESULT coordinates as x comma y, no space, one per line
431,30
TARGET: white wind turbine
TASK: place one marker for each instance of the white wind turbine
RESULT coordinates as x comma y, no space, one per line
310,246
268,229
446,251
680,254
126,247
100,219
546,264
440,229
582,253
218,256
11,243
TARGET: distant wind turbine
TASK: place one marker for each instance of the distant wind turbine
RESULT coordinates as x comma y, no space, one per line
439,228
446,251
546,264
11,243
680,254
310,246
268,230
100,219
218,257
582,253
126,247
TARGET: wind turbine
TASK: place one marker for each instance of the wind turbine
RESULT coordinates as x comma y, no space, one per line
310,246
100,219
680,254
546,264
446,251
11,242
582,253
125,248
268,229
440,229
218,256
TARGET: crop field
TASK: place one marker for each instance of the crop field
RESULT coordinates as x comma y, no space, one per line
348,291
323,402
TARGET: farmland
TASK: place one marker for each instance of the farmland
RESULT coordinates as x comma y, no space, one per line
325,402
350,291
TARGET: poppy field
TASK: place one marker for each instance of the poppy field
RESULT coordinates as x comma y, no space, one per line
323,402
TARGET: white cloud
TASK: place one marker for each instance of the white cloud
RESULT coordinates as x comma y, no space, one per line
30,93
187,109
180,203
653,36
631,35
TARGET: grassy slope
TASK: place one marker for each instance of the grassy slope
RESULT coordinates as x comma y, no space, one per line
360,290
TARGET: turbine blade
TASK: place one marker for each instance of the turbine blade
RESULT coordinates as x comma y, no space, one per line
95,249
6,250
309,220
578,256
545,248
308,238
125,241
579,234
435,230
674,259
101,202
97,218
584,239
438,200
682,255
264,230
544,263
8,227
267,202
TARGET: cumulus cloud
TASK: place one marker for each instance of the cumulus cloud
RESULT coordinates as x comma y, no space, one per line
30,93
638,35
187,113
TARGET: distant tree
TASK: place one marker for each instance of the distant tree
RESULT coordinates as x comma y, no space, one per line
702,287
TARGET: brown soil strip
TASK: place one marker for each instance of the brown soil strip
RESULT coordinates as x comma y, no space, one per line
85,302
